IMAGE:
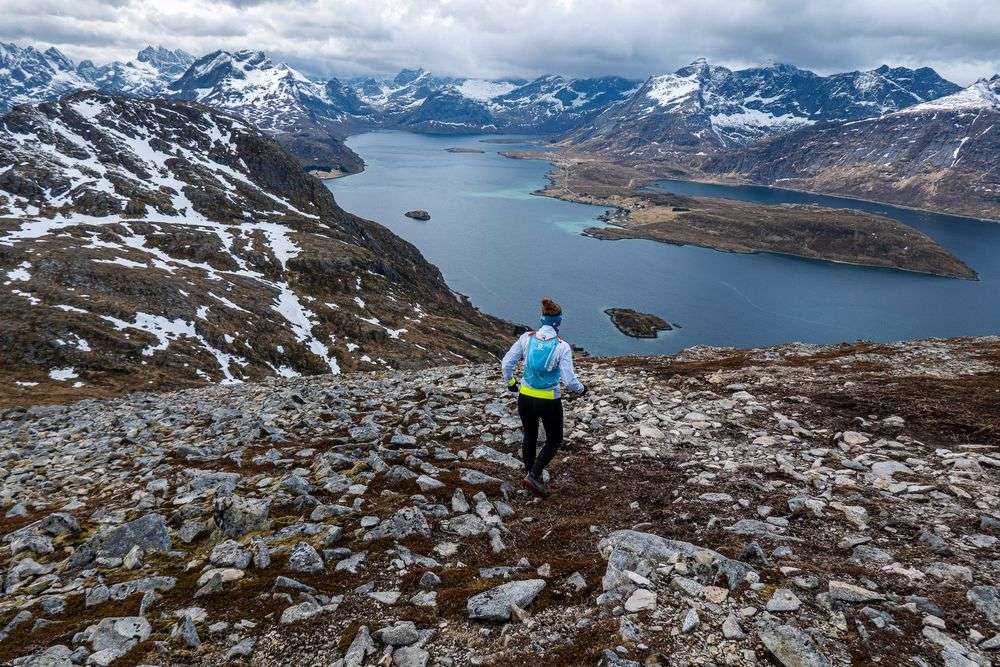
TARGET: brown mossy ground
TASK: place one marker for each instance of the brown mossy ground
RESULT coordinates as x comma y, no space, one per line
593,496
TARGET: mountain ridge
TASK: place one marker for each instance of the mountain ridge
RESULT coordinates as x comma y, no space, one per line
230,237
703,108
938,155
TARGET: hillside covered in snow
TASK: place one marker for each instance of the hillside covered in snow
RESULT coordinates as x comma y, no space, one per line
940,154
162,244
703,108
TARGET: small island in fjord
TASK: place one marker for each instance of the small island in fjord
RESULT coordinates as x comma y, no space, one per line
418,214
464,150
638,325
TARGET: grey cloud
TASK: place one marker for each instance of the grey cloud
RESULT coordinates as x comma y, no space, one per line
529,37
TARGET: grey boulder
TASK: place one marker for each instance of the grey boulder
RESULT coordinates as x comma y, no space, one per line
495,604
987,600
407,521
791,646
236,516
148,532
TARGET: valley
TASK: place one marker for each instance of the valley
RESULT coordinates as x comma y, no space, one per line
488,226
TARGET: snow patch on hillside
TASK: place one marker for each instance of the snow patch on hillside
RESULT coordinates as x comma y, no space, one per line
483,90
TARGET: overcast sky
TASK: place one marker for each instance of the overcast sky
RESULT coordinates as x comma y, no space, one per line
497,38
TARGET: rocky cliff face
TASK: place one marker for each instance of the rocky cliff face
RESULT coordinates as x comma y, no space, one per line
154,243
707,108
939,155
796,505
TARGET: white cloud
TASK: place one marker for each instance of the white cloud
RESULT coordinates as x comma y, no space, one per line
528,37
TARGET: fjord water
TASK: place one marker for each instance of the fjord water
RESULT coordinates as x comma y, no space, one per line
505,248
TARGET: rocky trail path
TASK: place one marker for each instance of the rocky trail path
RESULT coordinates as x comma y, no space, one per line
797,505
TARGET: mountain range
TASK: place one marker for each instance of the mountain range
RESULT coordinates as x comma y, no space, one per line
939,155
311,117
705,108
890,133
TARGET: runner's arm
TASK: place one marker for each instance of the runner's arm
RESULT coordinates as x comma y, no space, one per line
567,371
511,359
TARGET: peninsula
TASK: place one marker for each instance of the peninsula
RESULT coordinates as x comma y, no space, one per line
815,232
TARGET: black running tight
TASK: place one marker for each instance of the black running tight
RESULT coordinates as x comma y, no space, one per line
550,411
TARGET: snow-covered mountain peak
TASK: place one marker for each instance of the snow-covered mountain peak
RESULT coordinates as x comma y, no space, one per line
712,107
147,75
58,58
28,75
162,56
484,89
250,84
408,76
981,95
702,69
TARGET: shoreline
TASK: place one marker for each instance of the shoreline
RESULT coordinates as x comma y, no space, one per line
776,253
739,182
565,193
705,180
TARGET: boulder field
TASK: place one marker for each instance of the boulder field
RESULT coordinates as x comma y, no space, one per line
797,505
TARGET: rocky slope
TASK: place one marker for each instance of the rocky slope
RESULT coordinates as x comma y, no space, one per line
277,99
707,108
939,155
796,505
163,244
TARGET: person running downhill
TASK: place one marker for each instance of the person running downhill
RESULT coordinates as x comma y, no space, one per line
547,359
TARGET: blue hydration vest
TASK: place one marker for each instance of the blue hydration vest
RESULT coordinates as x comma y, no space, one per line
541,370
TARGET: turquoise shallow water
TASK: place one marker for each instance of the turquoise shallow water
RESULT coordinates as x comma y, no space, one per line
505,247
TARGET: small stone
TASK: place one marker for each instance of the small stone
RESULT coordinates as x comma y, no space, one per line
845,592
691,621
305,558
429,580
403,633
300,612
361,647
641,600
791,646
854,438
242,649
188,633
229,553
427,483
783,600
236,516
731,628
494,604
133,559
987,600
410,656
